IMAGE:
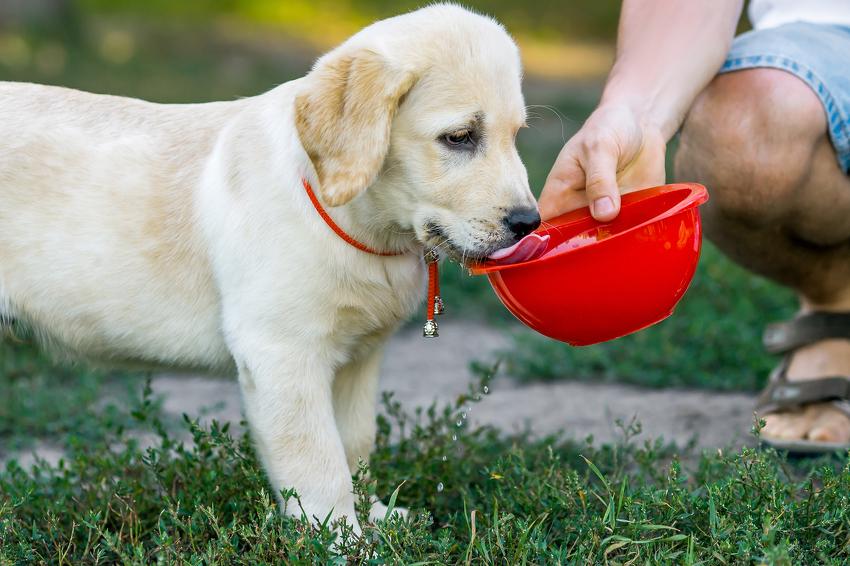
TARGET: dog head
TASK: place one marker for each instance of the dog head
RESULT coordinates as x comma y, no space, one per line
419,114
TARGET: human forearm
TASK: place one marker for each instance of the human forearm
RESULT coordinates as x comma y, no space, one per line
667,52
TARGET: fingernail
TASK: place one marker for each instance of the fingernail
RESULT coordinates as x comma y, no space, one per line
603,206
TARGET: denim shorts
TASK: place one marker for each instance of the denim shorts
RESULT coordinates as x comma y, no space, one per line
818,54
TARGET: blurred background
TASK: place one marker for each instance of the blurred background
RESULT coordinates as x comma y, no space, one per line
202,50
558,39
179,51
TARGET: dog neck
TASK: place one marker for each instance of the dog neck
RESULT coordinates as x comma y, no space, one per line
374,220
366,222
335,227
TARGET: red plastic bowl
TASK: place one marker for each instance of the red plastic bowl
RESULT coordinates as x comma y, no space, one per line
597,281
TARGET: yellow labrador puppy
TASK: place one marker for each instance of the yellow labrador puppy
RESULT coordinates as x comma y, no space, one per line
184,236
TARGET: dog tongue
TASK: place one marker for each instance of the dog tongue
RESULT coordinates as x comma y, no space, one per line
530,247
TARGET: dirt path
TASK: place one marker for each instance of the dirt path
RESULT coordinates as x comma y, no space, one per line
420,371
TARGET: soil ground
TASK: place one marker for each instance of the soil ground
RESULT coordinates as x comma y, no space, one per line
421,371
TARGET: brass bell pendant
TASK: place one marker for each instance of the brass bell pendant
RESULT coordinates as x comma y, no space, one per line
430,329
438,305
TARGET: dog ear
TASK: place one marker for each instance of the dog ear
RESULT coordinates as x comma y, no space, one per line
343,118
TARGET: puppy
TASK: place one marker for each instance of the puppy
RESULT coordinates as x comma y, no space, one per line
183,236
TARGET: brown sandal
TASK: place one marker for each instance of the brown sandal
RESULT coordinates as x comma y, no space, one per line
782,394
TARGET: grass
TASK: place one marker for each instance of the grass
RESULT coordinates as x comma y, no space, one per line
477,497
43,400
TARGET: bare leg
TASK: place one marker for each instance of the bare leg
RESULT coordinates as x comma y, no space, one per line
780,206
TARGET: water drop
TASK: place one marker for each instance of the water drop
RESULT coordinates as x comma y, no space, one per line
469,408
463,414
454,437
440,486
459,422
486,390
444,458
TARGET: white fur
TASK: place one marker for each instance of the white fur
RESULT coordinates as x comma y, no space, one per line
181,236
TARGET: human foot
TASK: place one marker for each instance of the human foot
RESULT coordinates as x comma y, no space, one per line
821,422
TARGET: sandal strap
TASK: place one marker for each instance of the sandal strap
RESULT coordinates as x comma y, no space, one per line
843,406
783,394
806,329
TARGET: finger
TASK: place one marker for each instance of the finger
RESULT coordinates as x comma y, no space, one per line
603,193
564,187
557,199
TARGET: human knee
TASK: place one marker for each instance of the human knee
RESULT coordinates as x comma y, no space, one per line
749,138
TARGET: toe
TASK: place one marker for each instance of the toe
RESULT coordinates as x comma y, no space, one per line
787,426
830,425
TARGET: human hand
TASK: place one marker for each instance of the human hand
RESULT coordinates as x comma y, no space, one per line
614,153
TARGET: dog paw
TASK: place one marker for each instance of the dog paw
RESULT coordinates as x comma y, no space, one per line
378,511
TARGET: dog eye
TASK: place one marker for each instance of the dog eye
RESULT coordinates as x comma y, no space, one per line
460,137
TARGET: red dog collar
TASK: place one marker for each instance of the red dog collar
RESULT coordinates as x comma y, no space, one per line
435,304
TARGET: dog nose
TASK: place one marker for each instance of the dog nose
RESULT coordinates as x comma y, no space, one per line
522,222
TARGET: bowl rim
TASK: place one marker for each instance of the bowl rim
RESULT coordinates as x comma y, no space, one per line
698,195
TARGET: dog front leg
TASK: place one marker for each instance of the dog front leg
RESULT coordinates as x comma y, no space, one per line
355,392
289,406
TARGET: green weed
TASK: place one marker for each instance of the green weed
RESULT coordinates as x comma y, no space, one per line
493,500
42,399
